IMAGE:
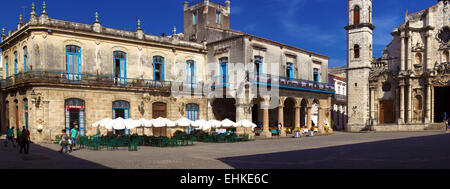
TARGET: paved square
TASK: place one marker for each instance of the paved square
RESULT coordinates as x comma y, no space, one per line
430,149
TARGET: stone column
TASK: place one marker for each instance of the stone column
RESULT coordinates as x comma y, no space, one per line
402,104
373,117
309,116
297,115
281,119
410,104
240,111
428,105
265,107
428,48
402,52
410,66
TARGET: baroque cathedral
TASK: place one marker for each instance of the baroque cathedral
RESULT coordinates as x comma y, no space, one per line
406,89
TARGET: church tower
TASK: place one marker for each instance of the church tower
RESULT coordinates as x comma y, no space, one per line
359,57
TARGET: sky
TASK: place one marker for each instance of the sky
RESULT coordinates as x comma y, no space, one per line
313,25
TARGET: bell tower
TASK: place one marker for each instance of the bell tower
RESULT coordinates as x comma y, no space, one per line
359,58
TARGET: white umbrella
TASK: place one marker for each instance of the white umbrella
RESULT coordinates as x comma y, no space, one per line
163,122
184,122
214,123
201,124
131,124
228,123
107,123
246,123
146,122
119,124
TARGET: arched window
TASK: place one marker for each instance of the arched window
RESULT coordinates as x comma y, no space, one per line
120,67
218,21
75,114
192,111
194,17
190,67
289,70
370,15
224,69
73,62
158,68
258,64
6,68
356,51
356,15
25,59
15,63
316,75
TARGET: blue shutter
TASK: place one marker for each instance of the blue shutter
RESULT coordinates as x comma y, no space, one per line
67,119
82,125
6,66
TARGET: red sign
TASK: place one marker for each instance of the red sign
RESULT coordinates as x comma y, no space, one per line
74,107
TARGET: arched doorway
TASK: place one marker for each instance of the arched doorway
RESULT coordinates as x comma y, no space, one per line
7,124
159,109
257,113
16,110
121,109
303,115
224,108
75,109
289,113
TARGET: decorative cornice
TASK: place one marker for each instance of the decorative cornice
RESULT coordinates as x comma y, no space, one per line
357,26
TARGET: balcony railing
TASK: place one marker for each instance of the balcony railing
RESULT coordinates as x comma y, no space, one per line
83,79
339,97
289,83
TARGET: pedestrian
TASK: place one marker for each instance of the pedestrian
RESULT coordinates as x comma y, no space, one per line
18,133
73,137
26,140
64,141
22,140
10,137
280,126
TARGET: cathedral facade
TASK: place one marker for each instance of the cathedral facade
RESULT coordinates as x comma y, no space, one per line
407,88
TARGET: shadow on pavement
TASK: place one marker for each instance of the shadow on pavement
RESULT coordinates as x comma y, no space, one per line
429,152
40,157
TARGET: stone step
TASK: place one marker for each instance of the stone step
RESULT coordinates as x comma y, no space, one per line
435,126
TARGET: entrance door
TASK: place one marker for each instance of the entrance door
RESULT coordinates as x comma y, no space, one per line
386,112
75,109
441,103
159,110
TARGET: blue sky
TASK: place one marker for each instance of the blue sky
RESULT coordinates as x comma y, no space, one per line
313,25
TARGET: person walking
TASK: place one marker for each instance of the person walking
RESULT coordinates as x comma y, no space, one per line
21,141
64,141
18,133
279,129
26,140
10,137
73,136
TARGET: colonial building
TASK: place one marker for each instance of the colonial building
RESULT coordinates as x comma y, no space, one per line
407,88
300,76
58,74
338,101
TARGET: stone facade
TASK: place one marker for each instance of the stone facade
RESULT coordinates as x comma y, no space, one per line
62,73
408,86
